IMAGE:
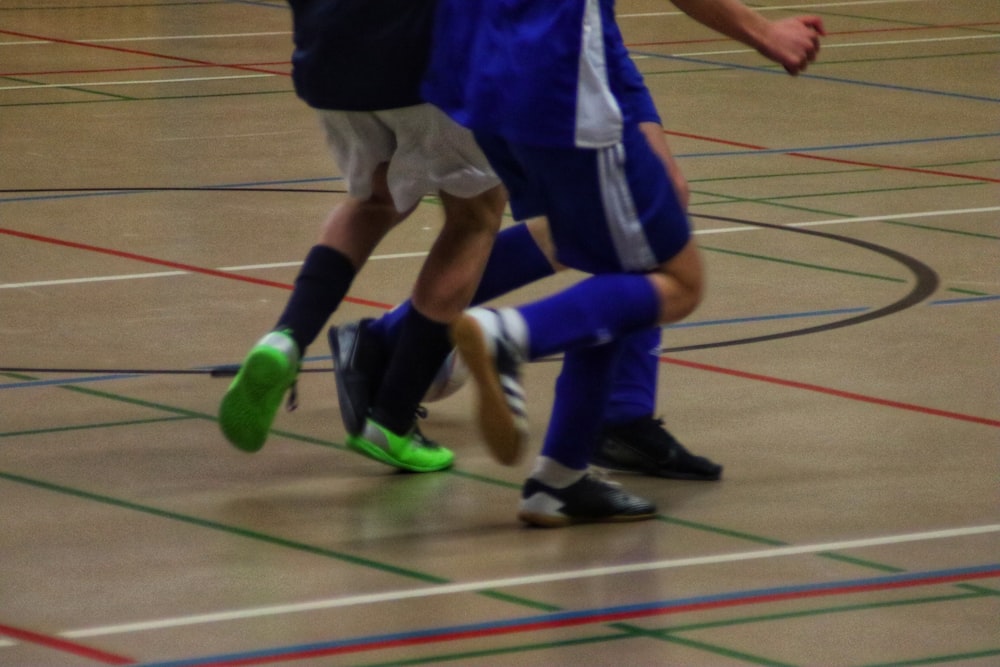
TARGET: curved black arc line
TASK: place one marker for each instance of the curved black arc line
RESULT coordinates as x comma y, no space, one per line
927,282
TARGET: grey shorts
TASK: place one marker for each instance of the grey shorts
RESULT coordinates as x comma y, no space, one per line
427,153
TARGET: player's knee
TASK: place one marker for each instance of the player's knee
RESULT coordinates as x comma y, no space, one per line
679,296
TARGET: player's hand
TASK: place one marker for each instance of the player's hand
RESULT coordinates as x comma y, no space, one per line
793,43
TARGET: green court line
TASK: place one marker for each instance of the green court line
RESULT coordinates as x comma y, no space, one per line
844,193
222,527
871,565
725,652
308,548
184,414
820,611
783,174
819,64
806,265
958,232
725,532
963,163
523,648
847,218
979,588
764,201
671,633
280,542
929,56
940,659
76,89
546,645
86,427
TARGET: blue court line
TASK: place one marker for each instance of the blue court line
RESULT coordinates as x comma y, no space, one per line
112,376
682,325
766,318
112,192
105,192
585,616
819,77
962,300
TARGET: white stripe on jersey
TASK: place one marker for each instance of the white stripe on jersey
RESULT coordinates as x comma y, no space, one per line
598,116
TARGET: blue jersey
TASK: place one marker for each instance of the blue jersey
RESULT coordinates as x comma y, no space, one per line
536,72
360,55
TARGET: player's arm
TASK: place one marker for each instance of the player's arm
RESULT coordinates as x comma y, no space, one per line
639,99
792,42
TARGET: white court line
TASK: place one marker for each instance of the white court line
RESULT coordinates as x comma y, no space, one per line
928,40
510,582
842,221
407,255
779,8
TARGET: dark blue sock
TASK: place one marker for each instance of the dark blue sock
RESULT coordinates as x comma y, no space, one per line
582,388
593,311
633,389
321,285
515,261
422,347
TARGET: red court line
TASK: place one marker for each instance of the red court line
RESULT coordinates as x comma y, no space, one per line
136,52
916,170
65,646
374,304
856,163
173,265
833,392
868,31
148,68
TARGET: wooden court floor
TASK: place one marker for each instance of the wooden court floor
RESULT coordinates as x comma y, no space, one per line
159,185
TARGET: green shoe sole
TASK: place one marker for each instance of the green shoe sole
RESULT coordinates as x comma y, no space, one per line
251,403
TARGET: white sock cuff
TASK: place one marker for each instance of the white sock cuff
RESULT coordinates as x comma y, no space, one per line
552,473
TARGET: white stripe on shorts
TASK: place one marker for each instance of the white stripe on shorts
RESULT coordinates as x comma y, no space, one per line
627,235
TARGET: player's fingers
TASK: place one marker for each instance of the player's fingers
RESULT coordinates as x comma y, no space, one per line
816,23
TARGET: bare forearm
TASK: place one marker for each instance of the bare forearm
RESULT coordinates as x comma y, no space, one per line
791,42
730,17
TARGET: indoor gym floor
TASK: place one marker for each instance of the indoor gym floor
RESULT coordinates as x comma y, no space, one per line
160,184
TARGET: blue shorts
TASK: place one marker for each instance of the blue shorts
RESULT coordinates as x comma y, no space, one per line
610,210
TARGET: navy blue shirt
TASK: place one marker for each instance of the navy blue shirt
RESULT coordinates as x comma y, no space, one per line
360,55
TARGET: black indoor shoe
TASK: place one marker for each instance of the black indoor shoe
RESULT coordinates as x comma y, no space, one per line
359,362
591,499
644,446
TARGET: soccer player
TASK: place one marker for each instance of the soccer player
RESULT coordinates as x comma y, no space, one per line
544,86
359,63
632,439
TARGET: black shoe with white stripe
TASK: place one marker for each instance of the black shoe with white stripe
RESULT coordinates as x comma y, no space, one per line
591,499
494,361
